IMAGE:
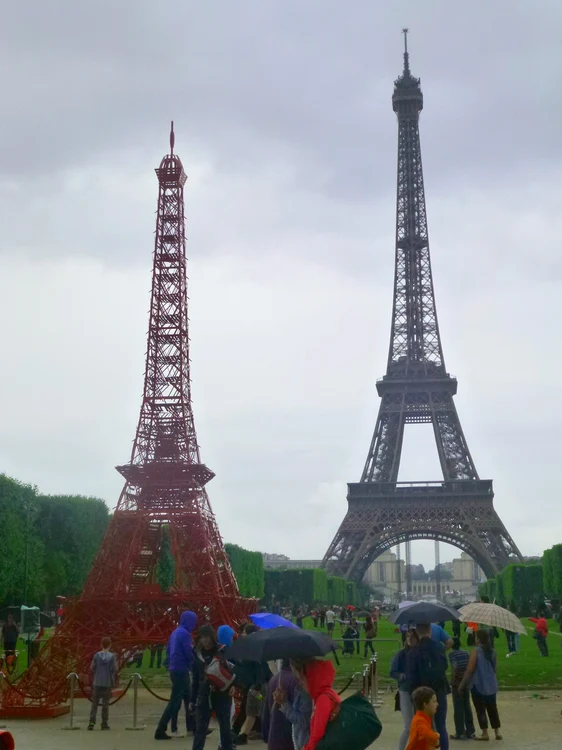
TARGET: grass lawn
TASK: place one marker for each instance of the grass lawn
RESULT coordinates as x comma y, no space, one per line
526,670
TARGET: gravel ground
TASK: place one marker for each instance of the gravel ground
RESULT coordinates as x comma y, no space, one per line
529,722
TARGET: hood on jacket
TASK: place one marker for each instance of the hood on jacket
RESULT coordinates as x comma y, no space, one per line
225,635
188,620
319,677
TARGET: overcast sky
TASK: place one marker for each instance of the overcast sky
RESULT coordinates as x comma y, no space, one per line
285,126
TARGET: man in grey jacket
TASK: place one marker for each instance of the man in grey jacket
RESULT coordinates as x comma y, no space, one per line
104,669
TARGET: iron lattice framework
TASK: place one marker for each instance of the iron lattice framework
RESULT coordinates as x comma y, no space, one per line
416,389
164,489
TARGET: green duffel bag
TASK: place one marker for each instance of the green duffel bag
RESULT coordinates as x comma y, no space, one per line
354,727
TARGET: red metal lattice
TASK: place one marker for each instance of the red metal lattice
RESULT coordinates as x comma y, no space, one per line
165,486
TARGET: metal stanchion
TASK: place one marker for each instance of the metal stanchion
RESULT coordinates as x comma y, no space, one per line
375,701
136,680
72,677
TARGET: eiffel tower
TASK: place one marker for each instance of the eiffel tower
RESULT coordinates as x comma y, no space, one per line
383,512
164,493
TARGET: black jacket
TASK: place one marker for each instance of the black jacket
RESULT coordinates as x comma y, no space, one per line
426,665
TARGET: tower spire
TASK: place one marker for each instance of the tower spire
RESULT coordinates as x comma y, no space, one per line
172,138
406,56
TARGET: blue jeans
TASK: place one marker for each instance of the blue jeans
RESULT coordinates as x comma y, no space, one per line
180,686
441,720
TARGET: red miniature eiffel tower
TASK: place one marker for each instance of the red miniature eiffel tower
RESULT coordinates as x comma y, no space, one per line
164,488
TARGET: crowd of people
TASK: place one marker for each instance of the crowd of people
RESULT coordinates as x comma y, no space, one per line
287,704
422,664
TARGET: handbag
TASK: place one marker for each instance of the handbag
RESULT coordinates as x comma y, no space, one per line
354,727
397,701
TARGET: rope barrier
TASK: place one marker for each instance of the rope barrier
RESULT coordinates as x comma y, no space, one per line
342,691
151,691
28,695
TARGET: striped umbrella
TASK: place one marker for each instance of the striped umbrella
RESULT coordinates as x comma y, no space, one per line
492,615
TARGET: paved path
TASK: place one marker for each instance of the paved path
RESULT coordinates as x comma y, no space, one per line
528,724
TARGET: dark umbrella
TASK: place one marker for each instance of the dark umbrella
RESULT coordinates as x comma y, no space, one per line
281,643
424,612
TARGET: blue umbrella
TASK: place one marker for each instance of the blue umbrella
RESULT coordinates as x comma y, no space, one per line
266,621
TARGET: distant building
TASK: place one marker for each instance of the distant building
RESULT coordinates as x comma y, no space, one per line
281,562
466,577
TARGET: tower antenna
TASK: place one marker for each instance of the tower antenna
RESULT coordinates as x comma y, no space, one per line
172,138
406,56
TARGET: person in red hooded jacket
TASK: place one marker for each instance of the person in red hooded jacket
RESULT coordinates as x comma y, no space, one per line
319,680
540,634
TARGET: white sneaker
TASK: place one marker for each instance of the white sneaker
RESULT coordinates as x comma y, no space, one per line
177,735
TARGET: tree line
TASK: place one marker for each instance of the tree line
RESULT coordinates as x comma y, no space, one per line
59,536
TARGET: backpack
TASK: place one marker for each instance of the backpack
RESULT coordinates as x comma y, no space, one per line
353,724
218,672
433,669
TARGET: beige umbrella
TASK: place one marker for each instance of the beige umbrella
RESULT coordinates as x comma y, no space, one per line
492,615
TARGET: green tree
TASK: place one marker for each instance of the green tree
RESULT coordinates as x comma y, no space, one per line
248,570
166,567
18,532
71,528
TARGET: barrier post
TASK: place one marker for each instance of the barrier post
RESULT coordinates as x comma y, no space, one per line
135,727
375,692
72,677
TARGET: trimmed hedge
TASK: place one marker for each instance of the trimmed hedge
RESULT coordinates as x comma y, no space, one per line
522,588
296,586
518,587
552,571
248,570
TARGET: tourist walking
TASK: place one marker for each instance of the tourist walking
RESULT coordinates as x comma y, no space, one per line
104,672
511,643
371,630
481,675
319,681
464,721
210,699
330,621
299,712
398,673
426,666
322,617
354,625
156,653
277,730
179,660
10,635
540,634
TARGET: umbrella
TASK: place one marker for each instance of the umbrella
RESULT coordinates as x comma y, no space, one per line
492,615
281,643
405,604
424,612
266,621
